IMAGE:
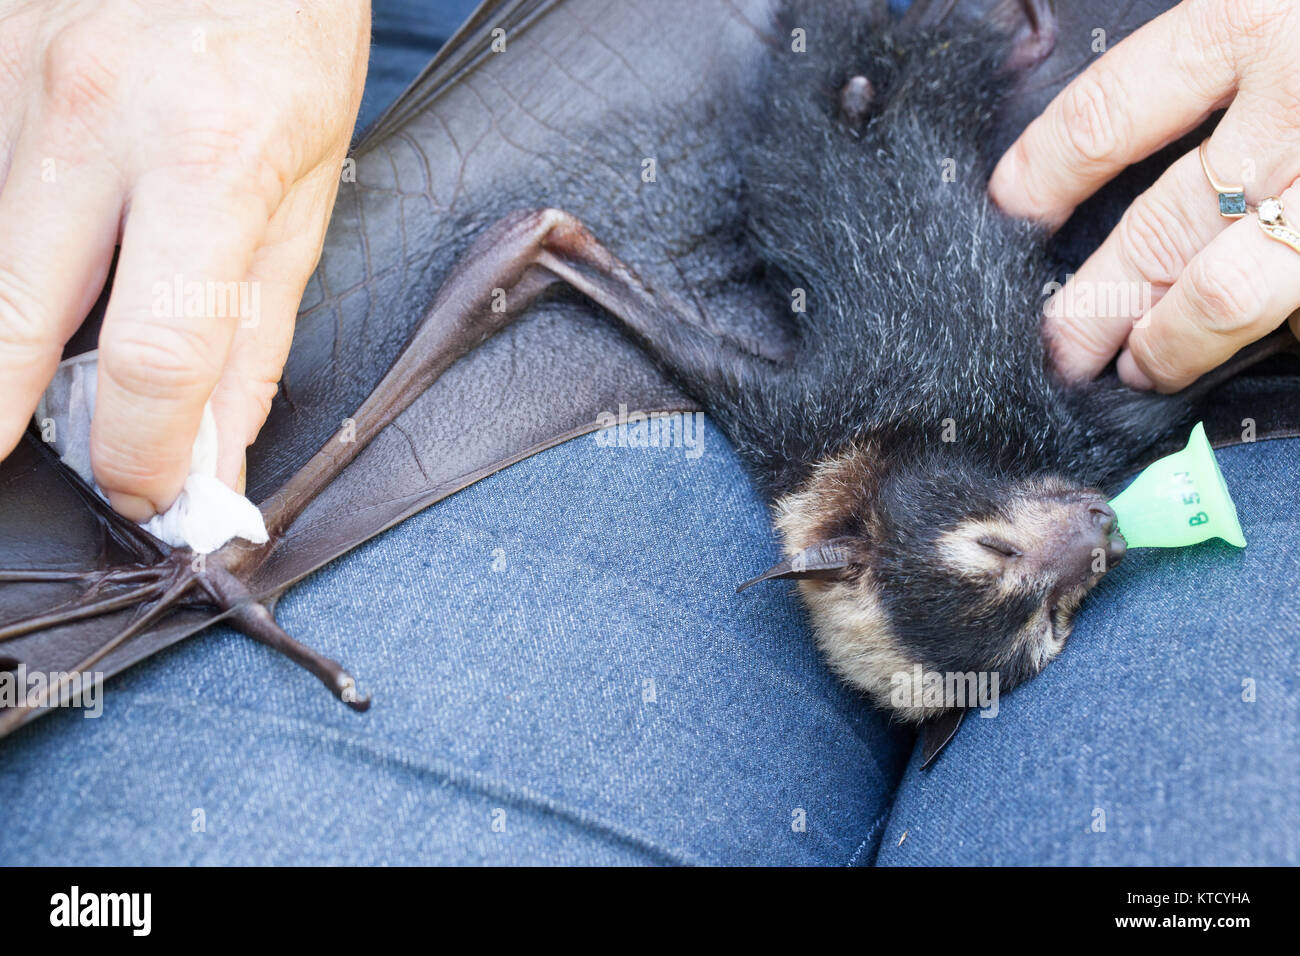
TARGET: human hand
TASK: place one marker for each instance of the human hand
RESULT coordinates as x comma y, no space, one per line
1215,284
207,140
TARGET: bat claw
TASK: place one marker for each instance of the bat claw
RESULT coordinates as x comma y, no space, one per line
346,691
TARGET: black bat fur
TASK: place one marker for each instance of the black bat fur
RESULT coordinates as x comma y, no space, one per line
923,300
919,367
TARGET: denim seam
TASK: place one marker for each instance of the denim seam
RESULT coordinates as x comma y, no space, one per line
452,773
866,843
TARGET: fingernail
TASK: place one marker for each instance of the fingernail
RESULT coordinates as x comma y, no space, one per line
131,506
1131,375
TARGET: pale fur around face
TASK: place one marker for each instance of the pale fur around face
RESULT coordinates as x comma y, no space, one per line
853,633
850,619
851,626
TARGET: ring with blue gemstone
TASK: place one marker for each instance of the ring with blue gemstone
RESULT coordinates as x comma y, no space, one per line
1232,199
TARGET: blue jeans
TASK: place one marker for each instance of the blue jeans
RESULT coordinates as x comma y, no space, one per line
562,674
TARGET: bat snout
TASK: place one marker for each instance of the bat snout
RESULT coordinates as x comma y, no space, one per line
1105,520
1091,544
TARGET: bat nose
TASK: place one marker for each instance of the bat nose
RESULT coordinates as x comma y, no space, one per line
1088,542
1098,531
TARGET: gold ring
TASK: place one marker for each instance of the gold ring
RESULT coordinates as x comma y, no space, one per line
1272,219
1232,199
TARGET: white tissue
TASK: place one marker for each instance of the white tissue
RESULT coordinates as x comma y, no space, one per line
206,514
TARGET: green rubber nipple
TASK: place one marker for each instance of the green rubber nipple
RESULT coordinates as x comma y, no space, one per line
1179,500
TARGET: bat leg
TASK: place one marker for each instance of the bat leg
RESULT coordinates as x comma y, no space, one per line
527,253
658,319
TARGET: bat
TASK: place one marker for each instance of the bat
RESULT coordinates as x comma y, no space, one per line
589,168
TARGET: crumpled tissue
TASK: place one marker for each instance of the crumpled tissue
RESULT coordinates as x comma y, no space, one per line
206,514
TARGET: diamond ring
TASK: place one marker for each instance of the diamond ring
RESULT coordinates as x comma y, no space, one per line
1272,219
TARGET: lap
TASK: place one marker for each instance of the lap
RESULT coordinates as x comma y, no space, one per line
562,674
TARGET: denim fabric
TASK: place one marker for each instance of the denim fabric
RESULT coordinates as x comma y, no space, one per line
557,648
405,34
1144,725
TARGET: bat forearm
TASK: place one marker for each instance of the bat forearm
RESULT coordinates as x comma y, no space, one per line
491,286
494,283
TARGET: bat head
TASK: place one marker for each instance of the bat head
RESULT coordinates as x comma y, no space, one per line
926,574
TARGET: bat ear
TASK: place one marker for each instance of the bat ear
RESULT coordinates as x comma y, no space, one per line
1030,24
825,561
937,731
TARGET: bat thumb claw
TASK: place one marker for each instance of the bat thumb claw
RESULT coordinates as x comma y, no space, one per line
345,689
257,621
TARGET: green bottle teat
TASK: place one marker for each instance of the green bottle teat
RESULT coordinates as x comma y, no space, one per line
1179,500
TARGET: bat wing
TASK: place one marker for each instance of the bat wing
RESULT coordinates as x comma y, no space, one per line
65,554
546,119
564,111
580,95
